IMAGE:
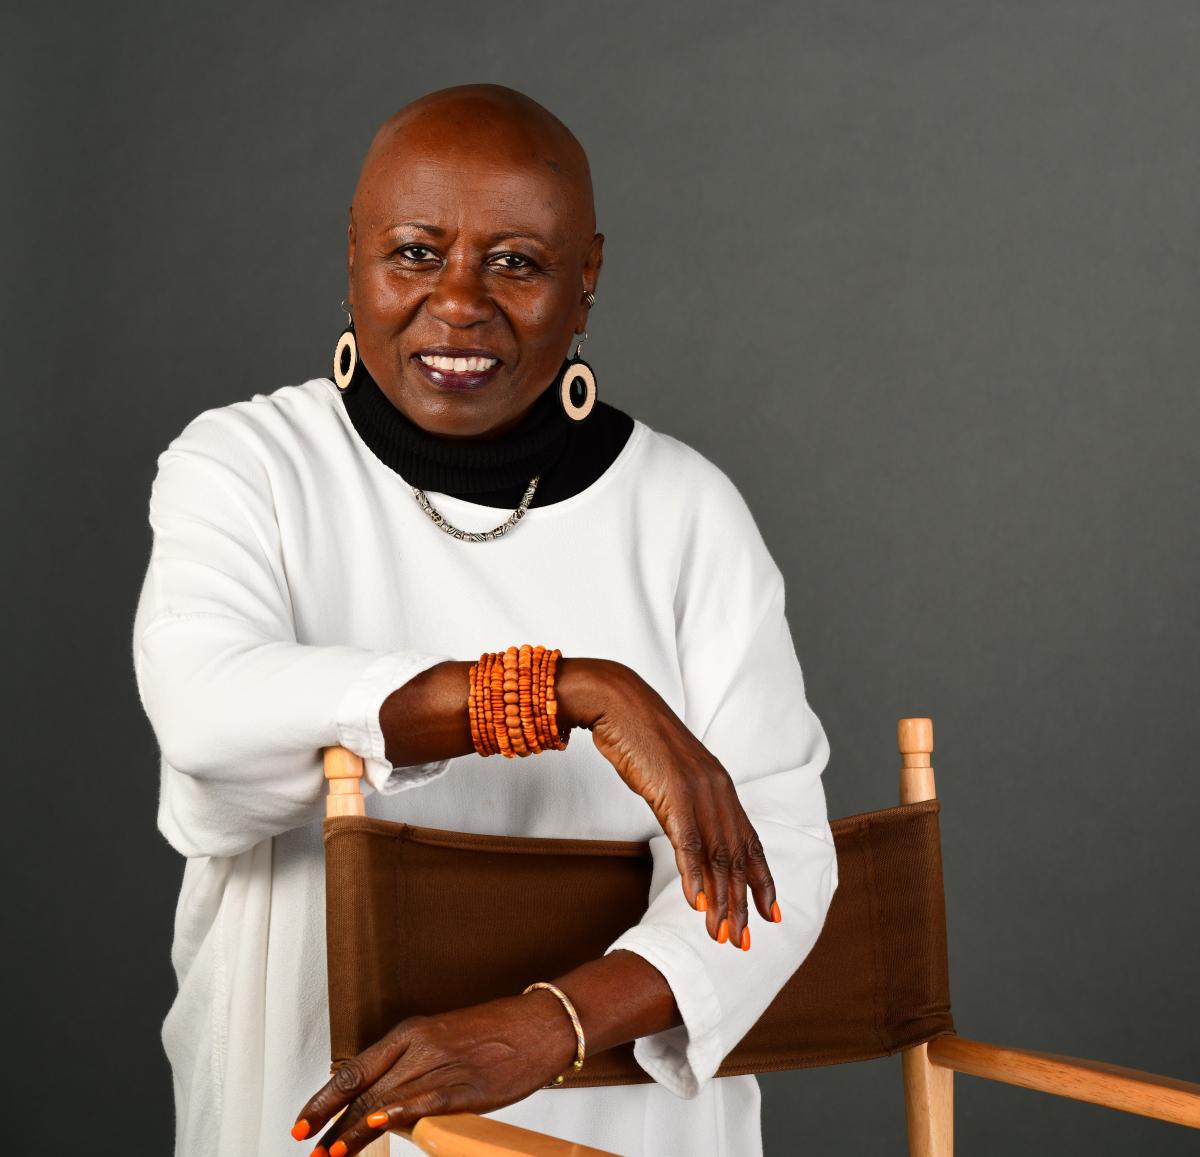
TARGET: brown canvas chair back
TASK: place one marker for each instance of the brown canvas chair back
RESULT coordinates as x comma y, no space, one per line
421,921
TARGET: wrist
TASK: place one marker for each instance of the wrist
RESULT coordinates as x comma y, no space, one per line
585,688
553,1026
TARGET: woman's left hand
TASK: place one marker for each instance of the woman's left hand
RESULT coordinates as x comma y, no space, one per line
471,1060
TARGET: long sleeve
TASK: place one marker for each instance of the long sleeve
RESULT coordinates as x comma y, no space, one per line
745,701
239,707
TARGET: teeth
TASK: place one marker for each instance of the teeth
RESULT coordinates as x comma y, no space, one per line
458,365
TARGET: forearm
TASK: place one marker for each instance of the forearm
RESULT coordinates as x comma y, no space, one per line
618,998
427,720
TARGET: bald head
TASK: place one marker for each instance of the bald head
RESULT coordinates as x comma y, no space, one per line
472,126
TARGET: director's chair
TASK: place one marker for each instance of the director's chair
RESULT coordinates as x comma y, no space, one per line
875,983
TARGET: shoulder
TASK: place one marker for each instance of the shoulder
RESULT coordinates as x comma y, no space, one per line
250,435
695,487
721,551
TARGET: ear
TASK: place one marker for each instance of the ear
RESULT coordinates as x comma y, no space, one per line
592,265
350,257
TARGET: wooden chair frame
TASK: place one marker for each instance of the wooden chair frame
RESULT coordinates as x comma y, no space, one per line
928,1069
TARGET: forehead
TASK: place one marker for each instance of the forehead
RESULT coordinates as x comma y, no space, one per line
470,186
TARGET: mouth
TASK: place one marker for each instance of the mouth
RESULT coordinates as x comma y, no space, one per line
457,369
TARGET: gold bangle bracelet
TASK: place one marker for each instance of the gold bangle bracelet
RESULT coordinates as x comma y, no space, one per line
580,1044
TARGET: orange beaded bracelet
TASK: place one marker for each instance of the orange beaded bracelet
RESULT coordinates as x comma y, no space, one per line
511,703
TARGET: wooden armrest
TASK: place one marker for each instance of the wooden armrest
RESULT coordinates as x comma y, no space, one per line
468,1135
1114,1086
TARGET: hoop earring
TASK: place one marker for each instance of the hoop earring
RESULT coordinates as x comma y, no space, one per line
577,391
345,356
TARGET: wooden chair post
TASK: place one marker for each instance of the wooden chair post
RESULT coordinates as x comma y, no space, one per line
928,1088
343,771
343,775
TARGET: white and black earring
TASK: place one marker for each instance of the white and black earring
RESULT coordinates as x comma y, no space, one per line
577,391
345,356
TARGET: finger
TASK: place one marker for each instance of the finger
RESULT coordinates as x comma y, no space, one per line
751,861
758,877
716,881
352,1079
739,915
688,860
730,839
334,1142
713,915
728,859
401,1110
688,840
720,857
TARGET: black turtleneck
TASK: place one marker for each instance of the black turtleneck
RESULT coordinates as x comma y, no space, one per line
568,455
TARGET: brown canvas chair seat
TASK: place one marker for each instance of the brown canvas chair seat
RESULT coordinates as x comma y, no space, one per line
458,919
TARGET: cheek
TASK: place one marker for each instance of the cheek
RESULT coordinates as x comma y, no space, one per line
544,323
387,301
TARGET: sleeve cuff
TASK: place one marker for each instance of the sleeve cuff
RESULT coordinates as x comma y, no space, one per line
684,1058
358,720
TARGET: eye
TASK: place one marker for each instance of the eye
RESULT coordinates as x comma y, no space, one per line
514,261
416,252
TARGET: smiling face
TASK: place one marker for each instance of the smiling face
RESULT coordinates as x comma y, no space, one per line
471,245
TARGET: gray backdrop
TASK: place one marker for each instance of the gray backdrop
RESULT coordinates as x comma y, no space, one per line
920,277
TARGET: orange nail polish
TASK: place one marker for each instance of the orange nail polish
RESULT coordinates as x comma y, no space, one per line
377,1119
746,939
337,1149
723,932
776,915
319,1151
301,1129
701,902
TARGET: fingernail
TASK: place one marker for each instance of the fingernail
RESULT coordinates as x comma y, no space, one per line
701,902
776,915
723,932
319,1151
746,939
301,1129
338,1149
377,1119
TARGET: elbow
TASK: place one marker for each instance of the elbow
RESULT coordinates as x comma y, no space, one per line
189,738
198,820
186,754
228,778
191,712
177,726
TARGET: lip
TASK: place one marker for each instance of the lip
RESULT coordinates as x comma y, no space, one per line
449,379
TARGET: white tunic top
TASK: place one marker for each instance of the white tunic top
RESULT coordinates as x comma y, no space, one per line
294,583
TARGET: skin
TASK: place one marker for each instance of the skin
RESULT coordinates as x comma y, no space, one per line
474,165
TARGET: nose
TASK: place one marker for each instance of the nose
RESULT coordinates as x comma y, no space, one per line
459,296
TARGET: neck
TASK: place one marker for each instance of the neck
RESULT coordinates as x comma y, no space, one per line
456,465
566,455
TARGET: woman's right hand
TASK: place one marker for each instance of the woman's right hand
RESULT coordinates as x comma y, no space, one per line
717,850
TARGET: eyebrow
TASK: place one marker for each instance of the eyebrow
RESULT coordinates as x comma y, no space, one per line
438,231
421,225
508,234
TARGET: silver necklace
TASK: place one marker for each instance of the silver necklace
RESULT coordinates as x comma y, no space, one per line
479,535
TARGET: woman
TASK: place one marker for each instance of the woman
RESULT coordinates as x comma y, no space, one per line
301,593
